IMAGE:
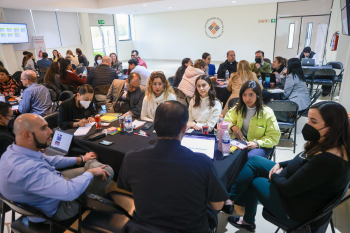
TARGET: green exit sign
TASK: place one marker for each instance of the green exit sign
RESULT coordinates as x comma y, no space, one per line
273,20
101,22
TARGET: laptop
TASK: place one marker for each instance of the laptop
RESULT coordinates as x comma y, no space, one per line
200,143
60,143
308,62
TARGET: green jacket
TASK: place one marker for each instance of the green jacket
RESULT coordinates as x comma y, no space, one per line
263,128
266,68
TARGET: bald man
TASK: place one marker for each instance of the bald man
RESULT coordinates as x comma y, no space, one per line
36,97
103,74
29,176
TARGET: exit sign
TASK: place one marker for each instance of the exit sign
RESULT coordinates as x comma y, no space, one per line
273,20
101,22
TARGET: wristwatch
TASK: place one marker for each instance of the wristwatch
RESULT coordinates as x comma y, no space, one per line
82,159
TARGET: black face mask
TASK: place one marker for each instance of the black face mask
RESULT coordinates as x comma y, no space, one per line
38,144
311,134
258,60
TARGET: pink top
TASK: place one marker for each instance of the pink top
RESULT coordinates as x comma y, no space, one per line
188,82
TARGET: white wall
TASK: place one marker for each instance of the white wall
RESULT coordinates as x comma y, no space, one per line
180,34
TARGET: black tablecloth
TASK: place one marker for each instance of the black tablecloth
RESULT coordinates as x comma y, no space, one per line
222,93
228,167
267,96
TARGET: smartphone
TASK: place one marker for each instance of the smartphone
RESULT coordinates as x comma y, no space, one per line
147,125
85,72
106,143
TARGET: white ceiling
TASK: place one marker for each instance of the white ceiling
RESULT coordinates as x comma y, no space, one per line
125,6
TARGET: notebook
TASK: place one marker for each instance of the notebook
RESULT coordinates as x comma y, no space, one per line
107,118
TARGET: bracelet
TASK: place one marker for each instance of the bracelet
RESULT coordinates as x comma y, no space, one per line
82,159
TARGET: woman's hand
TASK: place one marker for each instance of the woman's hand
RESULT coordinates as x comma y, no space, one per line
275,72
285,72
274,169
251,145
83,122
91,120
238,134
196,128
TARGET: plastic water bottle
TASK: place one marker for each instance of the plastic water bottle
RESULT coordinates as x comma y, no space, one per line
226,144
221,119
128,123
223,128
227,75
319,63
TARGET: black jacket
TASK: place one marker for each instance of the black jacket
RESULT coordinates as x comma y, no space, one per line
82,59
178,76
6,139
232,68
69,111
101,75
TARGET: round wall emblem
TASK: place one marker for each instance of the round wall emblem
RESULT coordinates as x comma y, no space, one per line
214,28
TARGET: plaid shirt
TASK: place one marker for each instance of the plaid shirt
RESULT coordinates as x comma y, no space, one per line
8,88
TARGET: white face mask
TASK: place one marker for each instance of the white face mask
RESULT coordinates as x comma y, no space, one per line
99,61
85,104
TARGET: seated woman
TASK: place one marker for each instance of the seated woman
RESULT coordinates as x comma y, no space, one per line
254,121
75,60
244,73
204,108
296,191
181,70
188,82
79,110
29,62
98,60
56,55
158,91
295,88
279,68
52,79
67,77
8,86
117,65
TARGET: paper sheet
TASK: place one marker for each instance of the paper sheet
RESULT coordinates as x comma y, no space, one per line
82,131
14,107
275,90
137,124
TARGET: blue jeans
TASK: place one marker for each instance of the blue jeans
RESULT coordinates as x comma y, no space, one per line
261,152
253,183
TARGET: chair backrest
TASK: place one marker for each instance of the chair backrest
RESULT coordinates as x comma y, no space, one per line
52,120
315,97
336,65
65,95
179,93
100,204
171,80
43,69
284,106
324,74
232,102
102,90
69,88
23,209
308,73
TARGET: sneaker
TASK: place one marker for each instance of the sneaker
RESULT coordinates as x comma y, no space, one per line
233,221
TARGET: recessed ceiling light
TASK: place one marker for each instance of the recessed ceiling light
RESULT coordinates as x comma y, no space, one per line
233,1
170,7
57,9
144,4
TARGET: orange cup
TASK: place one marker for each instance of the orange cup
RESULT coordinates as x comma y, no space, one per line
272,85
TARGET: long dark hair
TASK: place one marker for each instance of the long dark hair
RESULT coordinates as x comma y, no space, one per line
96,57
51,72
63,68
184,61
336,118
294,68
259,100
53,54
211,92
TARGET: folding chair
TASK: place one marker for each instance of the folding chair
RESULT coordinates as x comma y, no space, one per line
3,210
325,77
309,76
314,98
52,120
308,224
286,113
339,78
42,73
64,96
108,214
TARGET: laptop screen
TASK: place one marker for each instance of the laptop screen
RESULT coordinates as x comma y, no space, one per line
61,140
200,144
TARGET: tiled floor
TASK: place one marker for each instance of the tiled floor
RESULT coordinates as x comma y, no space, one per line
341,215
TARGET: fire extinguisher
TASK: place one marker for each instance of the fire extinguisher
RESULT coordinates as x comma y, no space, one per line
334,43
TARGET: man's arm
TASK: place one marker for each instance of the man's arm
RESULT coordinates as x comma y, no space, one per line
217,205
109,100
136,110
221,71
24,104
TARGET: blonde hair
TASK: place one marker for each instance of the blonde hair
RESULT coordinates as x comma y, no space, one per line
244,72
167,88
199,64
70,53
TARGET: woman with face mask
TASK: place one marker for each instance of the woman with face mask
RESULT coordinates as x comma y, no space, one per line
98,60
296,191
204,108
79,110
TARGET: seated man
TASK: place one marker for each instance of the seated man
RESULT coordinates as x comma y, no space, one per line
29,176
36,97
135,55
6,137
210,68
126,96
230,64
260,66
307,53
191,179
44,62
103,74
134,67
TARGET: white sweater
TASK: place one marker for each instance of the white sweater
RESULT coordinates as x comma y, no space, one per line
149,106
204,114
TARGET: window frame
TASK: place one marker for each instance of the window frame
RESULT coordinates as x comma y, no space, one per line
292,44
129,25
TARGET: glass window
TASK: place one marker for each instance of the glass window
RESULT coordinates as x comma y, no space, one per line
291,35
103,40
124,31
308,34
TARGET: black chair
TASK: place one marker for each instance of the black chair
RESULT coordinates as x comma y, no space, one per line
314,98
232,103
42,73
171,80
3,210
52,120
325,77
181,97
339,78
286,113
23,225
108,214
307,226
124,71
64,96
100,95
69,88
309,76
272,156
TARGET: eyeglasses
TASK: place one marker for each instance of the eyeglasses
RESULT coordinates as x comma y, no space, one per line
157,84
